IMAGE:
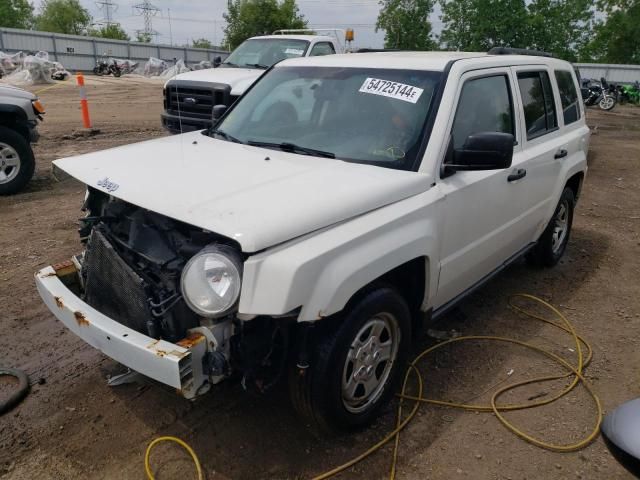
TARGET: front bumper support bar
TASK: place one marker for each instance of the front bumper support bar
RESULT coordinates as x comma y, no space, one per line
179,366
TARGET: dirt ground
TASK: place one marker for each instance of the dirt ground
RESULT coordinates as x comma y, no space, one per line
73,426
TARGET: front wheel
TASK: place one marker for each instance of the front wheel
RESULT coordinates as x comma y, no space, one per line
355,367
553,241
16,161
607,103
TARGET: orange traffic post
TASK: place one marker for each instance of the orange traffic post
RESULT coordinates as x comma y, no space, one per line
84,106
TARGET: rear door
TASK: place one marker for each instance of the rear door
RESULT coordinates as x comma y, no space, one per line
544,145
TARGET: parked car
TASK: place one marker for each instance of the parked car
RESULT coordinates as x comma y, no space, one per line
190,96
19,114
343,201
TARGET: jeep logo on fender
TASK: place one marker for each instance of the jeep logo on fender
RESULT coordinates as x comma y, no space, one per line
108,185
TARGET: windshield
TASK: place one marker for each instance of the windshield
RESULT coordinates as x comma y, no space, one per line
262,53
365,115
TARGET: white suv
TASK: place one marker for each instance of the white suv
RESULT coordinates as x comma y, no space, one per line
338,204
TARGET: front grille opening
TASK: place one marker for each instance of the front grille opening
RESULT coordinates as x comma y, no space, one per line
193,102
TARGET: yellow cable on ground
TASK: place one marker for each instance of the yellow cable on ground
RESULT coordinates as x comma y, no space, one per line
147,465
575,371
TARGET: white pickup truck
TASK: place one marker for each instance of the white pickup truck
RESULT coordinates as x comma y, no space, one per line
190,97
339,204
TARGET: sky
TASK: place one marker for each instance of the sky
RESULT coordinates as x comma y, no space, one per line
192,19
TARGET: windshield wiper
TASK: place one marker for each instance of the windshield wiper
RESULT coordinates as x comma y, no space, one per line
225,135
257,65
292,148
231,64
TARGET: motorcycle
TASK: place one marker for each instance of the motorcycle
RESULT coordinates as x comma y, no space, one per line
629,93
107,68
599,93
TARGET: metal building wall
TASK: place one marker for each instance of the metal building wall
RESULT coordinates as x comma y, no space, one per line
612,72
77,52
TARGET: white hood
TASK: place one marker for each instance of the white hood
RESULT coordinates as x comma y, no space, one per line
238,78
235,191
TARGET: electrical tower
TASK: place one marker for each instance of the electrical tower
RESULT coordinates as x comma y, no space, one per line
148,11
109,9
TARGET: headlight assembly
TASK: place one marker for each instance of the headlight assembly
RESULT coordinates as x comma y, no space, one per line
211,281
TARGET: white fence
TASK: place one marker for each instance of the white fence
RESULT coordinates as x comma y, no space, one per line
77,52
612,72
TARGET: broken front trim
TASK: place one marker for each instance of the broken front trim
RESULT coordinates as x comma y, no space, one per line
174,365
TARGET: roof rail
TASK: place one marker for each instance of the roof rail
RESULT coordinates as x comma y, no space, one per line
374,50
518,51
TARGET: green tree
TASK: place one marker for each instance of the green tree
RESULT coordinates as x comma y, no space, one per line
616,39
248,18
406,24
63,16
477,25
16,14
201,43
561,27
143,37
112,30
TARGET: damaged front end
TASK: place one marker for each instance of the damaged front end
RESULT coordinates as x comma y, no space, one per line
126,296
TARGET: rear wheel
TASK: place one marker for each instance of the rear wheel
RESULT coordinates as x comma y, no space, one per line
355,368
16,161
553,241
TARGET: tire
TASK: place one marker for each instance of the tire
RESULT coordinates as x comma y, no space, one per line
553,242
16,161
607,103
328,395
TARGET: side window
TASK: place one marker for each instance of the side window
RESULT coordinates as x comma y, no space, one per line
568,96
538,103
322,48
485,105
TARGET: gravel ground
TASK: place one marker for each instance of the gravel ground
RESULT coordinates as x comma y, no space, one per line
72,426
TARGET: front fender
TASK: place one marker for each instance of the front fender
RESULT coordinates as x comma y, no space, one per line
323,270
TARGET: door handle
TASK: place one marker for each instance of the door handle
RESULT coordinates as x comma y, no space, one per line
560,154
520,173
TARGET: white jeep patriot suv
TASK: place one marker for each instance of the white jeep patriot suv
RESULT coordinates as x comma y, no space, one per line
340,202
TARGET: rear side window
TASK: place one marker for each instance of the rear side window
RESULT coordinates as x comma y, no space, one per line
322,48
485,106
568,96
538,103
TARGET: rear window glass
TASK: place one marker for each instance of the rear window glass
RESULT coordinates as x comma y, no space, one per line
568,96
538,103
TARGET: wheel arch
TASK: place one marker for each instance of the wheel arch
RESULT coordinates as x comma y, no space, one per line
13,117
575,184
411,281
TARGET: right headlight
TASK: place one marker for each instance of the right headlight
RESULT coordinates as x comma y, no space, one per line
211,281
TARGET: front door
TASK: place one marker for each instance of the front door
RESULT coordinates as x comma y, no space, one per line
483,224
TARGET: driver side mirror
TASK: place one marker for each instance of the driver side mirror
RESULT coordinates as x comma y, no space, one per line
482,151
217,61
217,112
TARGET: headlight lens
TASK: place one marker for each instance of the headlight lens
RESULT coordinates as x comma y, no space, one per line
211,281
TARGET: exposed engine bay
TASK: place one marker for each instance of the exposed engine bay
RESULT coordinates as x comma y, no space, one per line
132,270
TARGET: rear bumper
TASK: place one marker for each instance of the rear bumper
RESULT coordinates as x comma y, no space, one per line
175,124
172,364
